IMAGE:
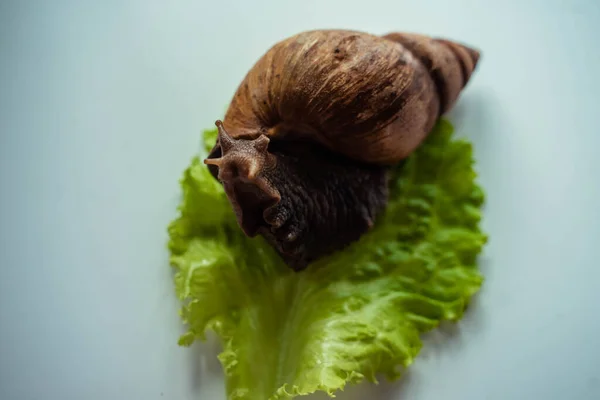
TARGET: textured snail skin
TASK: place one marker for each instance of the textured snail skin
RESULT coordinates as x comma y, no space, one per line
304,199
306,142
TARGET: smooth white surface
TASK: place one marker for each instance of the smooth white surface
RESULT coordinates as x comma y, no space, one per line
101,105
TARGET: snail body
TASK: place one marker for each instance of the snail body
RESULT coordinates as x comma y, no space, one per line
306,143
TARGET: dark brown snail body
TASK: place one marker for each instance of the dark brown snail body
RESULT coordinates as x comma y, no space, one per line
305,145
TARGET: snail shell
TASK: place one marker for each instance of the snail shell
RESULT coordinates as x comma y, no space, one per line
321,111
371,98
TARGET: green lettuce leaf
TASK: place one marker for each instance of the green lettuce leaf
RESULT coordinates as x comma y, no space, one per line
349,317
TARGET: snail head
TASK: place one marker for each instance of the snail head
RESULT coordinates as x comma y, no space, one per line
243,169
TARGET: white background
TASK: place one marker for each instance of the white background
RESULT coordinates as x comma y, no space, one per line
101,107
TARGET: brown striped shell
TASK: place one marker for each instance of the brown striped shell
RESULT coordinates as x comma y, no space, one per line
371,98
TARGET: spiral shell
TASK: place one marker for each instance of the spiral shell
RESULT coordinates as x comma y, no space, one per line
371,98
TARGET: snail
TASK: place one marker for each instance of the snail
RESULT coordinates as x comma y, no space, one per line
307,142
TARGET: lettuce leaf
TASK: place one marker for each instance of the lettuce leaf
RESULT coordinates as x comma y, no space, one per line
349,317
